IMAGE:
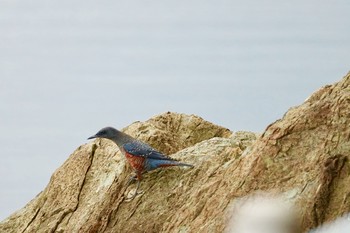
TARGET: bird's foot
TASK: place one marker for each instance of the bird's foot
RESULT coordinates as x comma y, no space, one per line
132,195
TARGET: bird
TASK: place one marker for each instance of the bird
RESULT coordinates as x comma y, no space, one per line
141,156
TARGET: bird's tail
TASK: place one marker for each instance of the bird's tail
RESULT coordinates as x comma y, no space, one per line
169,163
153,164
184,164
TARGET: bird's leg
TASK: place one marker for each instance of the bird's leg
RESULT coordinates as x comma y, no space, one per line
135,193
138,177
132,178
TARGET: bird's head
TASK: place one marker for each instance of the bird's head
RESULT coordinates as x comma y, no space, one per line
107,132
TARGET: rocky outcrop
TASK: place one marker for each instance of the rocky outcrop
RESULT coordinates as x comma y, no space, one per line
171,132
304,155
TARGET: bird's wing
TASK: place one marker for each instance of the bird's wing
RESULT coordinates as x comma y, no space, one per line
144,150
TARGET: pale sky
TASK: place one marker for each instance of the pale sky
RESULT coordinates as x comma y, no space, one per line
69,68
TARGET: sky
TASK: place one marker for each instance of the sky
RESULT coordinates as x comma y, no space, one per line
69,68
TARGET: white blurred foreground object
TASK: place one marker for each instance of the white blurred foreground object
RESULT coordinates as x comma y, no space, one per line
263,213
340,225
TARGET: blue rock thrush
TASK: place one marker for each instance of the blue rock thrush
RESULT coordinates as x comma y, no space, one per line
141,156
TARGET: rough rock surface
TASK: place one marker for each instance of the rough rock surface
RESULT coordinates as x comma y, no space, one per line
304,155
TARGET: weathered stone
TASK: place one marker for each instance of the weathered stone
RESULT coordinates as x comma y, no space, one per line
82,192
170,132
304,155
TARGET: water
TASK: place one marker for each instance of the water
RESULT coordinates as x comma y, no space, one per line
68,68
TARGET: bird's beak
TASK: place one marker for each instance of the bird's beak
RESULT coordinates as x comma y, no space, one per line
92,137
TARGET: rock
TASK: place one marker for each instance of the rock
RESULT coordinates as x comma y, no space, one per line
304,156
170,132
84,192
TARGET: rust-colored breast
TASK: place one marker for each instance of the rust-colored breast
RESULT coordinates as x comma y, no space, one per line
137,162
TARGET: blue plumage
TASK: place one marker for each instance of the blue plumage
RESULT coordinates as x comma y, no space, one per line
151,164
138,148
153,159
140,155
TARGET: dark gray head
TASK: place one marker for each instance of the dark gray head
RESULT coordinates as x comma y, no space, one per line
107,132
113,134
